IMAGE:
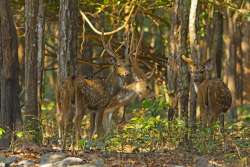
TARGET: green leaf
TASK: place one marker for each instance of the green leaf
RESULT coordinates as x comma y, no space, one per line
2,131
20,134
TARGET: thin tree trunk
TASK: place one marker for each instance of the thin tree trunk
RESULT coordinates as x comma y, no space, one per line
217,50
171,72
178,80
10,113
67,38
31,117
217,44
184,78
246,61
195,56
40,52
239,64
67,53
231,69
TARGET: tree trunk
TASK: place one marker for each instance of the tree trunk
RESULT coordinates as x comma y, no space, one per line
184,78
178,80
31,116
217,44
239,64
10,113
67,53
246,61
216,50
40,52
195,56
231,53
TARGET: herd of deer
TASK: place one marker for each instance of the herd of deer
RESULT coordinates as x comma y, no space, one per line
78,95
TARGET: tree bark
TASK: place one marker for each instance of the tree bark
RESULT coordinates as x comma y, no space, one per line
195,56
246,62
67,53
217,44
231,54
10,113
178,80
217,50
40,52
31,116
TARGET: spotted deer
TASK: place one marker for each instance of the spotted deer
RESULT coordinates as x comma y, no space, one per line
139,88
213,96
78,95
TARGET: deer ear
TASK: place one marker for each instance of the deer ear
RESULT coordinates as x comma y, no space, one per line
209,64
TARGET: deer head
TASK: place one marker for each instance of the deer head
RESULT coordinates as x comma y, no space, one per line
120,65
213,96
198,72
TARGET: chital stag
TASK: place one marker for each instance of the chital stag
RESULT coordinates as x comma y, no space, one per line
139,88
213,96
78,95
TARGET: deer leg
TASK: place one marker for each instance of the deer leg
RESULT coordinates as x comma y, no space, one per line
221,120
107,119
59,123
203,114
98,124
64,135
212,117
121,114
63,129
60,133
222,130
92,124
77,129
95,126
78,116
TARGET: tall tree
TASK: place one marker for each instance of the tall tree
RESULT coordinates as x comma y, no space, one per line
10,113
179,81
217,49
195,56
230,50
67,38
67,52
40,51
31,99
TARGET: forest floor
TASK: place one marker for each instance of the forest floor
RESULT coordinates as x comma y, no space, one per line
32,155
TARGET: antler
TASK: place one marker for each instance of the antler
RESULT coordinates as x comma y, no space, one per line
108,48
139,74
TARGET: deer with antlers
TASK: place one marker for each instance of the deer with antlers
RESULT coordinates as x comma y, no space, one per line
139,88
78,95
213,96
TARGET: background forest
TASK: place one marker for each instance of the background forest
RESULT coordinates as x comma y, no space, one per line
68,66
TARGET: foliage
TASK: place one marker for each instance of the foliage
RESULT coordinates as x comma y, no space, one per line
2,132
48,120
33,132
207,140
148,132
155,107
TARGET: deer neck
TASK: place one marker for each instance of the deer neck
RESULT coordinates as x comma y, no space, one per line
196,87
115,83
197,84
